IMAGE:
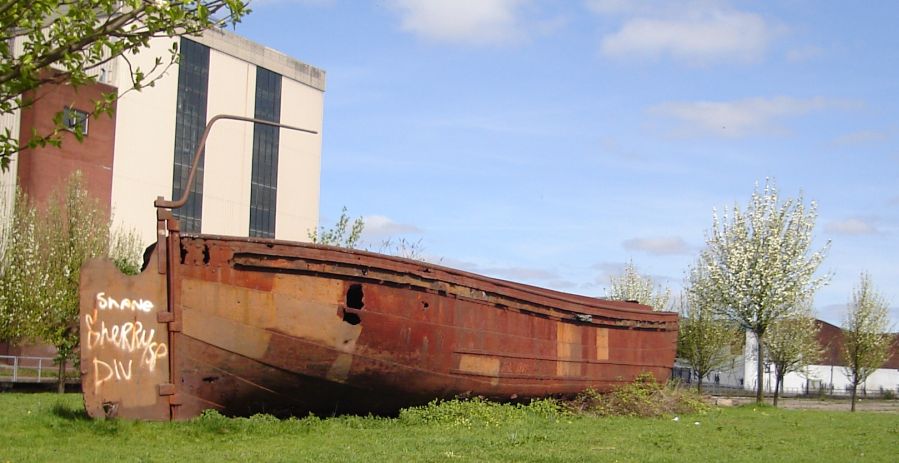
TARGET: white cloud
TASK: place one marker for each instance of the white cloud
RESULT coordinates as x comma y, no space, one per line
606,271
381,226
692,31
627,7
851,226
668,245
513,273
742,117
473,22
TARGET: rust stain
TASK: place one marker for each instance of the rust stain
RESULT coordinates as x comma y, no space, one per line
235,303
479,365
568,348
230,335
602,344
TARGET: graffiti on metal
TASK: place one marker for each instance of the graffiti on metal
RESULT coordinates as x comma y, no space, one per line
130,342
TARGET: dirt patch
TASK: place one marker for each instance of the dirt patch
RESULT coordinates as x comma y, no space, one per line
816,404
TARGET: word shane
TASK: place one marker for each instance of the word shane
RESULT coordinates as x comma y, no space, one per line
105,302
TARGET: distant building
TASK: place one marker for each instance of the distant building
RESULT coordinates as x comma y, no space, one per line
254,181
827,376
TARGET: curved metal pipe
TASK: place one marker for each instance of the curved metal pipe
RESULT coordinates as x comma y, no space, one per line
162,203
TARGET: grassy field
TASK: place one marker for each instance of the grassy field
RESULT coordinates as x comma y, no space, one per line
49,427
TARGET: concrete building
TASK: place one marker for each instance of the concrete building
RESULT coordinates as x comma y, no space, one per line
255,180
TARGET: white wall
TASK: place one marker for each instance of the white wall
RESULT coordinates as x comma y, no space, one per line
299,161
8,179
229,148
144,143
829,376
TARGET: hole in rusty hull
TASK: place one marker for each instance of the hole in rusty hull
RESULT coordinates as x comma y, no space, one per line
110,409
354,298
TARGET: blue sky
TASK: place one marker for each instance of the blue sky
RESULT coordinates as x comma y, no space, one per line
550,142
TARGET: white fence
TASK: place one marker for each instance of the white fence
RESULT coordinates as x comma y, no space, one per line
24,369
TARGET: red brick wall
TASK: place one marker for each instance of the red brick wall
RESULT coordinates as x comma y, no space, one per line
42,170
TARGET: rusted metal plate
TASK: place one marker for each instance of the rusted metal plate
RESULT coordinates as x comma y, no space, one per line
124,347
290,328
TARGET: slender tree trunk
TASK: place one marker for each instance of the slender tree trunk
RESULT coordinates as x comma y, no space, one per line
699,385
760,371
61,378
854,388
777,383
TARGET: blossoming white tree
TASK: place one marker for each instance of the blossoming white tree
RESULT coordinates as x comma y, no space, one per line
631,286
43,250
760,264
866,343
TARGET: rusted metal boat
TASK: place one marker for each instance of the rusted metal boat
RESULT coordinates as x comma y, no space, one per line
250,326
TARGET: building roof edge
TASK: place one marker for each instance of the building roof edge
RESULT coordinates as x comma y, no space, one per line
245,49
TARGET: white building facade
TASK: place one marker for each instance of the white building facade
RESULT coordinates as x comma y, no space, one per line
254,179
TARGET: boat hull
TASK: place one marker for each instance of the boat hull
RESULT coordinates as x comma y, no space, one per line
259,326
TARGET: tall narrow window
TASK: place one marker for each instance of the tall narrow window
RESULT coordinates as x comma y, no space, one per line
190,120
264,178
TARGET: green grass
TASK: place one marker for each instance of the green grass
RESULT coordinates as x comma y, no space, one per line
49,427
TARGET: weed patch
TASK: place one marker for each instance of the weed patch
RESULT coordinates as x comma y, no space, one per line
645,397
480,413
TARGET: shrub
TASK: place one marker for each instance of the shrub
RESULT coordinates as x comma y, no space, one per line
644,397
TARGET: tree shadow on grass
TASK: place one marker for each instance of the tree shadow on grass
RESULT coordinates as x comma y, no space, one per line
107,427
66,412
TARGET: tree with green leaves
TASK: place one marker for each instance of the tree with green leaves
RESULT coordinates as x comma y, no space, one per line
704,339
64,41
632,286
791,345
760,264
342,234
866,341
43,251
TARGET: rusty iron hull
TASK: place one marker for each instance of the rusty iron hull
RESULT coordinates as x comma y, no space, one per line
261,326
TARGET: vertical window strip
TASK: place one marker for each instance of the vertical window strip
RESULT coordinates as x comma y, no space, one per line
190,120
264,177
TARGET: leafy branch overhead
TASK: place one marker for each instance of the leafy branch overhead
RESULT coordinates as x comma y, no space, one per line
61,41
